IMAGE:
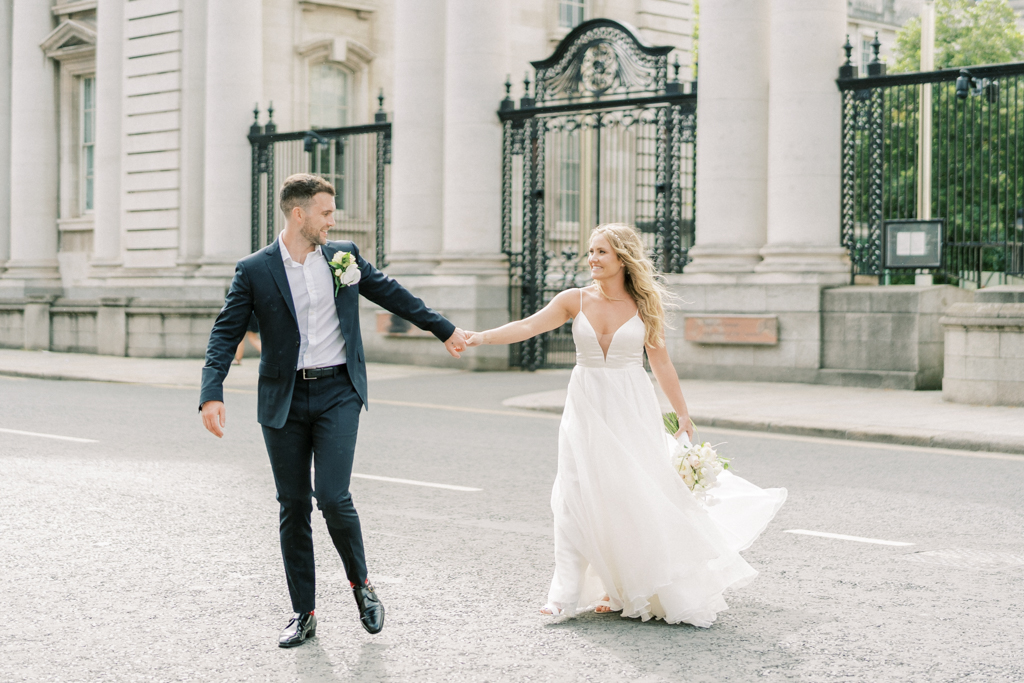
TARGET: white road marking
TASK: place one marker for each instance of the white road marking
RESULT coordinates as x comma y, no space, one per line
48,436
844,537
460,409
413,482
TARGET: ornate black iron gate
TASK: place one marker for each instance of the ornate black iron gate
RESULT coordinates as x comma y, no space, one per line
606,137
354,159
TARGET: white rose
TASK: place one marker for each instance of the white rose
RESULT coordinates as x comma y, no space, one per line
351,275
688,479
693,460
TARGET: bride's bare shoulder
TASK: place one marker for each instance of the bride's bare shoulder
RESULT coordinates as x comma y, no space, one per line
569,300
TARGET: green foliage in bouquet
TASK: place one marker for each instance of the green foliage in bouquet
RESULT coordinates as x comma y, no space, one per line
671,422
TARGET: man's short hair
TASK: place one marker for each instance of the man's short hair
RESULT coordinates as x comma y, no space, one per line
299,190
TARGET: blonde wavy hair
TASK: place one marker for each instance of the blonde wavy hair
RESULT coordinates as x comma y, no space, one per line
643,282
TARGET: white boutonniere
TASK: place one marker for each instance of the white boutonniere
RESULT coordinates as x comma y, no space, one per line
345,270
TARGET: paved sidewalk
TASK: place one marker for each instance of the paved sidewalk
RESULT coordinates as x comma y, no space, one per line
916,418
919,418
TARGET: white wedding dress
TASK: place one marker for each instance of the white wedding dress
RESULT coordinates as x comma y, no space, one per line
625,523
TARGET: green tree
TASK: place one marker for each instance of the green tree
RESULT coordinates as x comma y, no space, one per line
967,33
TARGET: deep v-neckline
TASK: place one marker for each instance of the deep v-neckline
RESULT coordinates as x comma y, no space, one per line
611,341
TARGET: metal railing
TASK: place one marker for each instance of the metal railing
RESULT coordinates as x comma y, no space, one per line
354,159
973,182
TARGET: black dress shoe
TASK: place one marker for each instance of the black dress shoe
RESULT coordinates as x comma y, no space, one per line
371,611
301,627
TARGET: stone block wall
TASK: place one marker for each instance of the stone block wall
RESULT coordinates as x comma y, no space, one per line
12,327
885,337
796,356
110,327
984,353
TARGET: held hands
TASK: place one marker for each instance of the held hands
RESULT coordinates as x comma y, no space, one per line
474,338
214,417
456,343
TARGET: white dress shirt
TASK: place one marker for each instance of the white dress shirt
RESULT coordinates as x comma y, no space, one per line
321,343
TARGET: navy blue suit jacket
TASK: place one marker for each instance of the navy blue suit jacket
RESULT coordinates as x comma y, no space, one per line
260,286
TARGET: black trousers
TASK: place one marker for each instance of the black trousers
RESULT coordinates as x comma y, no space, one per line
321,429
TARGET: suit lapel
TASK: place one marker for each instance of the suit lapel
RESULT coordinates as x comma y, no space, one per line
276,267
329,251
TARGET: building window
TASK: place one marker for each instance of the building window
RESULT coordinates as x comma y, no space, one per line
570,13
866,54
87,136
329,97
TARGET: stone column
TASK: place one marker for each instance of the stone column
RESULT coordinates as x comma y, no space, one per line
34,150
732,142
804,164
193,138
5,131
106,249
475,59
234,83
417,161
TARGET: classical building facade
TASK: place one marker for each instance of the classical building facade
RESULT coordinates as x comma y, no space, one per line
125,169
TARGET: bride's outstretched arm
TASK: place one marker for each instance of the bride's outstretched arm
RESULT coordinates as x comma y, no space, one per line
551,317
668,380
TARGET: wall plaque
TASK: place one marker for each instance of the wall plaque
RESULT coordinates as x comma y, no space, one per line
733,329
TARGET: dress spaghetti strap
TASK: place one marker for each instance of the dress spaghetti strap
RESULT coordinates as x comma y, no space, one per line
581,300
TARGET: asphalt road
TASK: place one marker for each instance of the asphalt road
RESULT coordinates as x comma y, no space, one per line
151,554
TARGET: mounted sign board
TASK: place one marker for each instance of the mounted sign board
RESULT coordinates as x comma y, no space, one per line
912,243
733,329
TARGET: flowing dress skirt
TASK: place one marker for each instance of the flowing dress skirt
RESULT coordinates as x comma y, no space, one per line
625,523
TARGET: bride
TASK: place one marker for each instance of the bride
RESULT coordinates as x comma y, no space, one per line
630,537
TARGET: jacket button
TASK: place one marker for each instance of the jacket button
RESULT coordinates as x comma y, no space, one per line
296,343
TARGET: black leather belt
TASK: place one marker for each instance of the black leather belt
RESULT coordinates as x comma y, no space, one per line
317,373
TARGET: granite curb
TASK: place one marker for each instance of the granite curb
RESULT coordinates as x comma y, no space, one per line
965,441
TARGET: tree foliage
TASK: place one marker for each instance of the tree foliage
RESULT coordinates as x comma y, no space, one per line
967,33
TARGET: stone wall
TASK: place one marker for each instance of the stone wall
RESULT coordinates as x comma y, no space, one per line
887,337
114,327
794,358
984,352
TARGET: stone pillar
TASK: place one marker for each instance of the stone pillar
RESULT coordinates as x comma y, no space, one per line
234,83
804,164
37,322
5,131
109,126
732,143
112,327
34,150
193,138
475,38
417,161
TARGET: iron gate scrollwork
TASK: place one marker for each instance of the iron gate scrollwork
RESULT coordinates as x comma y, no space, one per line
354,159
605,137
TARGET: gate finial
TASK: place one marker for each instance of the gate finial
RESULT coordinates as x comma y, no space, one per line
526,100
848,70
508,104
381,116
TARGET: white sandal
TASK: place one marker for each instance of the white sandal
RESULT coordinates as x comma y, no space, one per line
552,610
607,602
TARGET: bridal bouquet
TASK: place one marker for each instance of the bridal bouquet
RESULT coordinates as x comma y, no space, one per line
697,464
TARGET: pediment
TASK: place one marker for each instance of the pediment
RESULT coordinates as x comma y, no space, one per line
70,36
337,50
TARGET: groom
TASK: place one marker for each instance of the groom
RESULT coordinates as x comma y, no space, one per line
312,382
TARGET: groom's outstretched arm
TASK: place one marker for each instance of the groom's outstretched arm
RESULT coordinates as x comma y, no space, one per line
388,294
226,335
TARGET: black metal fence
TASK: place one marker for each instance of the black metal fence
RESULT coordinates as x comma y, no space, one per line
974,181
354,159
605,137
